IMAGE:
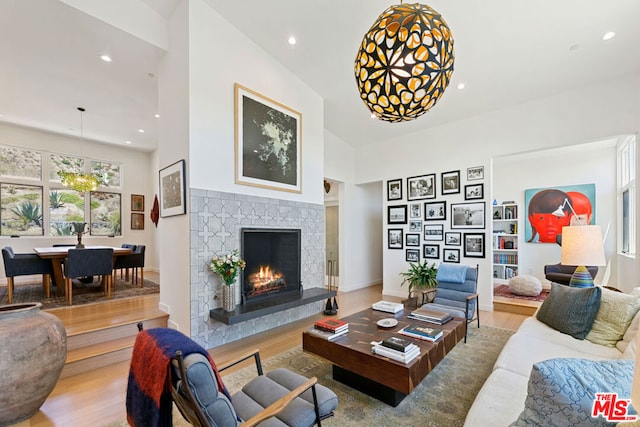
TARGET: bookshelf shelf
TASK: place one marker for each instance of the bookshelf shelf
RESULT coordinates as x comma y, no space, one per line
504,242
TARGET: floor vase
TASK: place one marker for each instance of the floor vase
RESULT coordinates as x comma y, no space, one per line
229,297
33,350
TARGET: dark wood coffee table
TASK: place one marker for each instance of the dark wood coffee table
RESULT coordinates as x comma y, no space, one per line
387,380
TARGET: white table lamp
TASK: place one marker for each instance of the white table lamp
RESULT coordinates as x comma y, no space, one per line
582,245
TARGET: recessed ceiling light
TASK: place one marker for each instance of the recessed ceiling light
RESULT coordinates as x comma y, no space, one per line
128,142
574,47
141,130
157,116
292,40
105,58
460,86
608,35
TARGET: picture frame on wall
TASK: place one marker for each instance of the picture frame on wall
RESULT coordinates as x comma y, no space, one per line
415,211
451,255
452,238
475,173
450,182
421,187
474,245
394,238
172,190
137,221
412,239
435,211
267,159
415,225
137,203
394,189
431,251
397,214
468,215
474,191
412,255
433,232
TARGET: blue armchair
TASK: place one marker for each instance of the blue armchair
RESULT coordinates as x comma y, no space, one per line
25,265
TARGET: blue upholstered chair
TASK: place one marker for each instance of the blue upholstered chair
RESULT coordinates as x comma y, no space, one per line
88,262
456,293
133,261
25,265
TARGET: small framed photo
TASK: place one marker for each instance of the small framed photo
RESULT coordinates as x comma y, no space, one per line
453,239
412,255
433,232
434,211
397,214
415,211
412,239
451,182
474,245
415,225
137,203
421,187
474,191
475,173
467,215
394,189
394,238
173,190
451,255
137,221
431,251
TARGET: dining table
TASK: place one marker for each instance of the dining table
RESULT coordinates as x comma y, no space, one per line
57,254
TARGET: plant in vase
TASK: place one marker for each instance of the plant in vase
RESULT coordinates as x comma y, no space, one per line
421,277
227,267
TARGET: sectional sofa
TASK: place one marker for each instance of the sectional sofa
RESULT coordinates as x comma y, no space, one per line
580,341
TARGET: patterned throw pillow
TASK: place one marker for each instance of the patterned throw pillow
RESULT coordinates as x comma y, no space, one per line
613,318
570,310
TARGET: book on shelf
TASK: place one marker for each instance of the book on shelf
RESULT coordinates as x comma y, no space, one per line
397,343
331,325
421,332
327,335
388,306
432,316
398,356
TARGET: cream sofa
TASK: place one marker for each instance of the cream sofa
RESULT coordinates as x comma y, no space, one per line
502,397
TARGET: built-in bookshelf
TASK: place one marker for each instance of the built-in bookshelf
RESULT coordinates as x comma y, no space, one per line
505,242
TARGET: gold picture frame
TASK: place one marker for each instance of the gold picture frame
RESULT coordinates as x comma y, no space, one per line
137,203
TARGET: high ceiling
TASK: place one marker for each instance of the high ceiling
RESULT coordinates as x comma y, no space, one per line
507,52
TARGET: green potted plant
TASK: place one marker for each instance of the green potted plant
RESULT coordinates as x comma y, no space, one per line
421,277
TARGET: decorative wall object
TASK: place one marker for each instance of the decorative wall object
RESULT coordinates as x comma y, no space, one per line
475,173
106,214
433,232
412,239
451,255
397,214
394,238
415,225
467,215
450,182
155,211
474,191
268,142
547,211
453,238
415,211
137,221
394,189
431,251
474,245
172,190
412,255
421,187
434,211
137,203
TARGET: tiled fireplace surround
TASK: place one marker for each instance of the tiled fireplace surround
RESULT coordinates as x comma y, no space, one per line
216,220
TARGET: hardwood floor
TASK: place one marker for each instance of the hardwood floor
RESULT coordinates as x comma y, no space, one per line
97,398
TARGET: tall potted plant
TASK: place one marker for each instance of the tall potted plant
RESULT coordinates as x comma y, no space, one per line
421,277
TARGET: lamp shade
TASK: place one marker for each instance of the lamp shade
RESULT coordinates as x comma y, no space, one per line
405,62
582,245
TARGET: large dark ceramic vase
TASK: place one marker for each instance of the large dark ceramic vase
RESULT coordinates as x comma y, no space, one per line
33,349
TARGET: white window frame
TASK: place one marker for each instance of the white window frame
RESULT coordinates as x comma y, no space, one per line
626,182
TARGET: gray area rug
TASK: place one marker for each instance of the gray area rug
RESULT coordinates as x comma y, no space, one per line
83,293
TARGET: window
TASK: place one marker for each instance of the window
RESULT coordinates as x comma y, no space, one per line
18,163
105,214
65,208
626,196
108,173
21,213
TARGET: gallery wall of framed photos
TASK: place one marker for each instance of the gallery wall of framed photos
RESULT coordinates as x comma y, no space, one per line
439,216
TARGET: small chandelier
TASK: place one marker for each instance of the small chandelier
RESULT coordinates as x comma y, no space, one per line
77,181
405,62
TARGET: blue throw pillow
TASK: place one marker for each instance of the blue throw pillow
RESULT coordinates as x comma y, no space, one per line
570,310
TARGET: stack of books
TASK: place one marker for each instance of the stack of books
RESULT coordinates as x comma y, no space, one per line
329,328
421,332
398,349
431,316
388,306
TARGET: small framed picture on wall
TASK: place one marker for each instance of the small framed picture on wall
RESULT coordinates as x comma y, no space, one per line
397,214
474,191
431,251
394,238
453,239
412,255
412,239
451,255
474,245
433,232
394,189
475,173
451,182
434,211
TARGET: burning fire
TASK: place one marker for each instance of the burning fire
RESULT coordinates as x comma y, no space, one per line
266,280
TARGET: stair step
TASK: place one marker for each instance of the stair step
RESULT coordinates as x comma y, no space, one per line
514,305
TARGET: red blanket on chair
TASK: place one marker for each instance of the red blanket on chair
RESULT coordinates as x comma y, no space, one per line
149,386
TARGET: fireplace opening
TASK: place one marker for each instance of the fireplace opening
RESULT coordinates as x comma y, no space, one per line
273,263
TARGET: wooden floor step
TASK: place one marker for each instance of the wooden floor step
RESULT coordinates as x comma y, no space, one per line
514,305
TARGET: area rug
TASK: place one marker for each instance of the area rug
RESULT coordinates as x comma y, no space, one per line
83,293
442,399
503,291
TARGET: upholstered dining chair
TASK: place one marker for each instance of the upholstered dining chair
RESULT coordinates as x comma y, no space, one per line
133,261
25,265
88,262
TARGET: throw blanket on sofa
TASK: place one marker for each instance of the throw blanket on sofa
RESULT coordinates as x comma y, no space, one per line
451,273
149,400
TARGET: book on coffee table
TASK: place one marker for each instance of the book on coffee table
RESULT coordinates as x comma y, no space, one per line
331,325
431,316
388,306
327,335
397,343
422,332
407,356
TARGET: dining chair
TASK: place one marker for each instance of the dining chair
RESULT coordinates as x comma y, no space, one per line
133,261
88,262
25,265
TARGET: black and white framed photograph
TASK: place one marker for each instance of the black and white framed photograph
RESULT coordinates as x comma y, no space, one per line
474,191
434,211
431,251
394,238
415,225
172,190
475,173
412,255
268,142
453,238
433,232
421,187
394,189
451,182
397,214
415,211
412,239
467,215
474,245
450,255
